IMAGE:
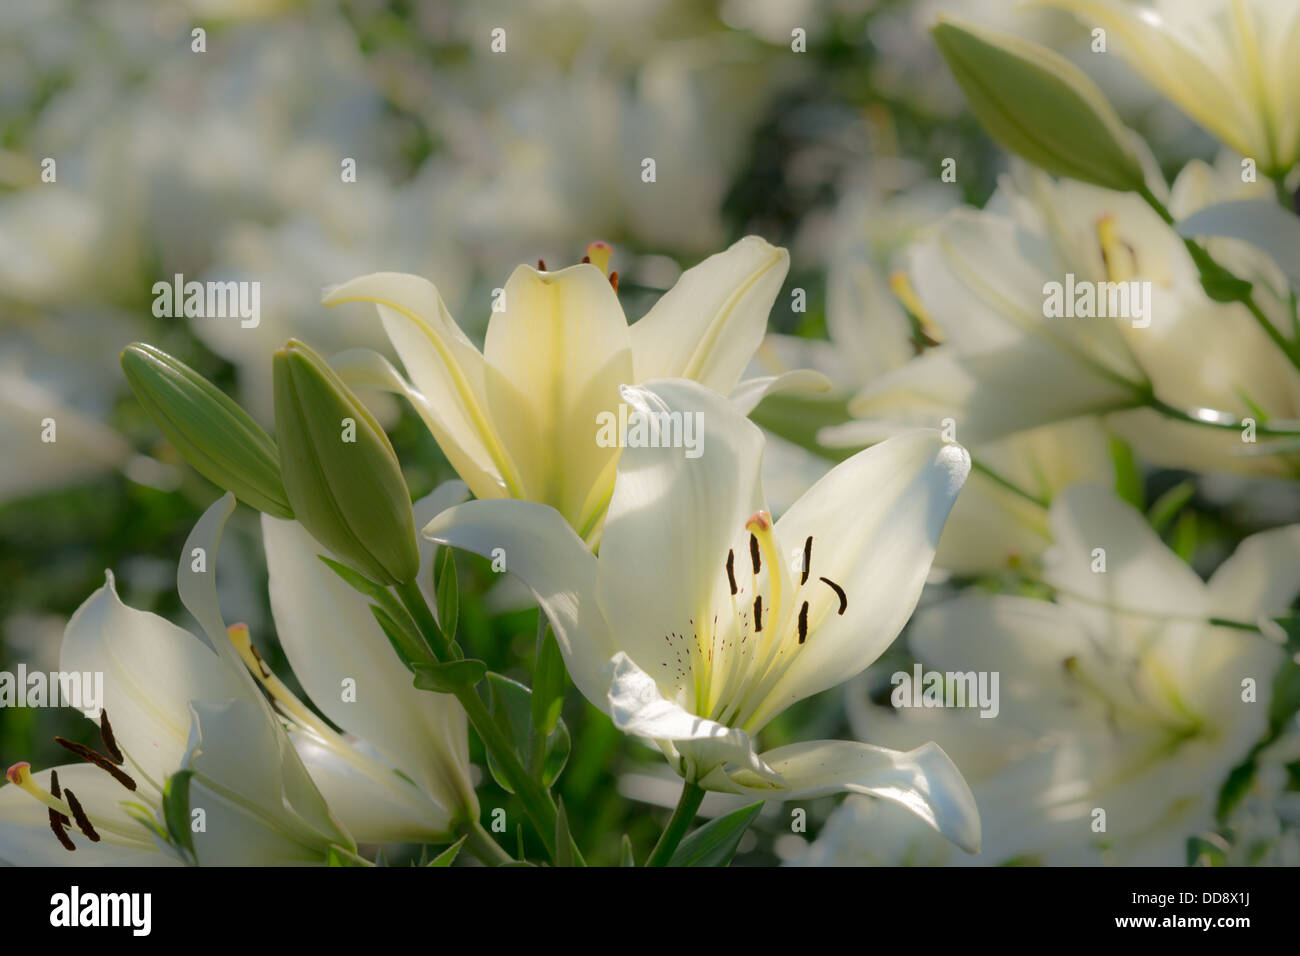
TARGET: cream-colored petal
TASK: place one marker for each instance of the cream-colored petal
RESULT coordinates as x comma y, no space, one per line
750,392
874,521
924,780
152,670
443,364
1260,578
535,543
638,707
671,523
709,324
365,367
347,666
556,355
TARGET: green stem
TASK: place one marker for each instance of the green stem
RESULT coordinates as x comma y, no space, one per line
1169,411
687,806
537,750
536,799
1246,298
479,842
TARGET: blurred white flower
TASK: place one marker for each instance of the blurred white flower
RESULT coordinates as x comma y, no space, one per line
1120,696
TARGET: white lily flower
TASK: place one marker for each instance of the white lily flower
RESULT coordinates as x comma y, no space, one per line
1008,366
179,702
701,620
522,418
1228,64
1001,515
402,772
1120,697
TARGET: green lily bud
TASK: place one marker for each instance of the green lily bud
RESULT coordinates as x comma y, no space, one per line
211,431
1039,105
340,471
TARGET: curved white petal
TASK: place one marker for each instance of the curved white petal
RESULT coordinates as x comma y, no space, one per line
923,780
535,543
1260,578
331,637
26,840
750,392
637,707
709,324
152,670
875,521
1106,559
365,367
371,799
671,522
260,803
556,355
443,364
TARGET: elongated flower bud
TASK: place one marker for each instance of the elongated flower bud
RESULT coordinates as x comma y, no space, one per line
1039,105
340,472
207,427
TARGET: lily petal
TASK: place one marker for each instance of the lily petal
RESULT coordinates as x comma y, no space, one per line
750,392
709,324
152,670
637,706
330,636
1260,578
537,544
375,802
443,363
923,780
26,840
556,355
366,367
260,804
877,549
672,520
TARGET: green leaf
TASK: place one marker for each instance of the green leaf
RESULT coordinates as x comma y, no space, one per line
625,857
1185,536
1167,506
511,707
548,685
448,595
176,809
563,838
447,856
410,649
714,844
449,677
341,856
1128,477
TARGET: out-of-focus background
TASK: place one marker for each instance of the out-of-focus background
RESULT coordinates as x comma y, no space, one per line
799,120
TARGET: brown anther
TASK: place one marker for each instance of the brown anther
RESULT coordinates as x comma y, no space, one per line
110,743
78,814
99,760
753,554
807,560
57,822
731,571
613,280
758,613
803,622
541,265
586,260
55,789
261,664
844,598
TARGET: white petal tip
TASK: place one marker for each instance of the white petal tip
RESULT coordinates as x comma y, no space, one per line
954,461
